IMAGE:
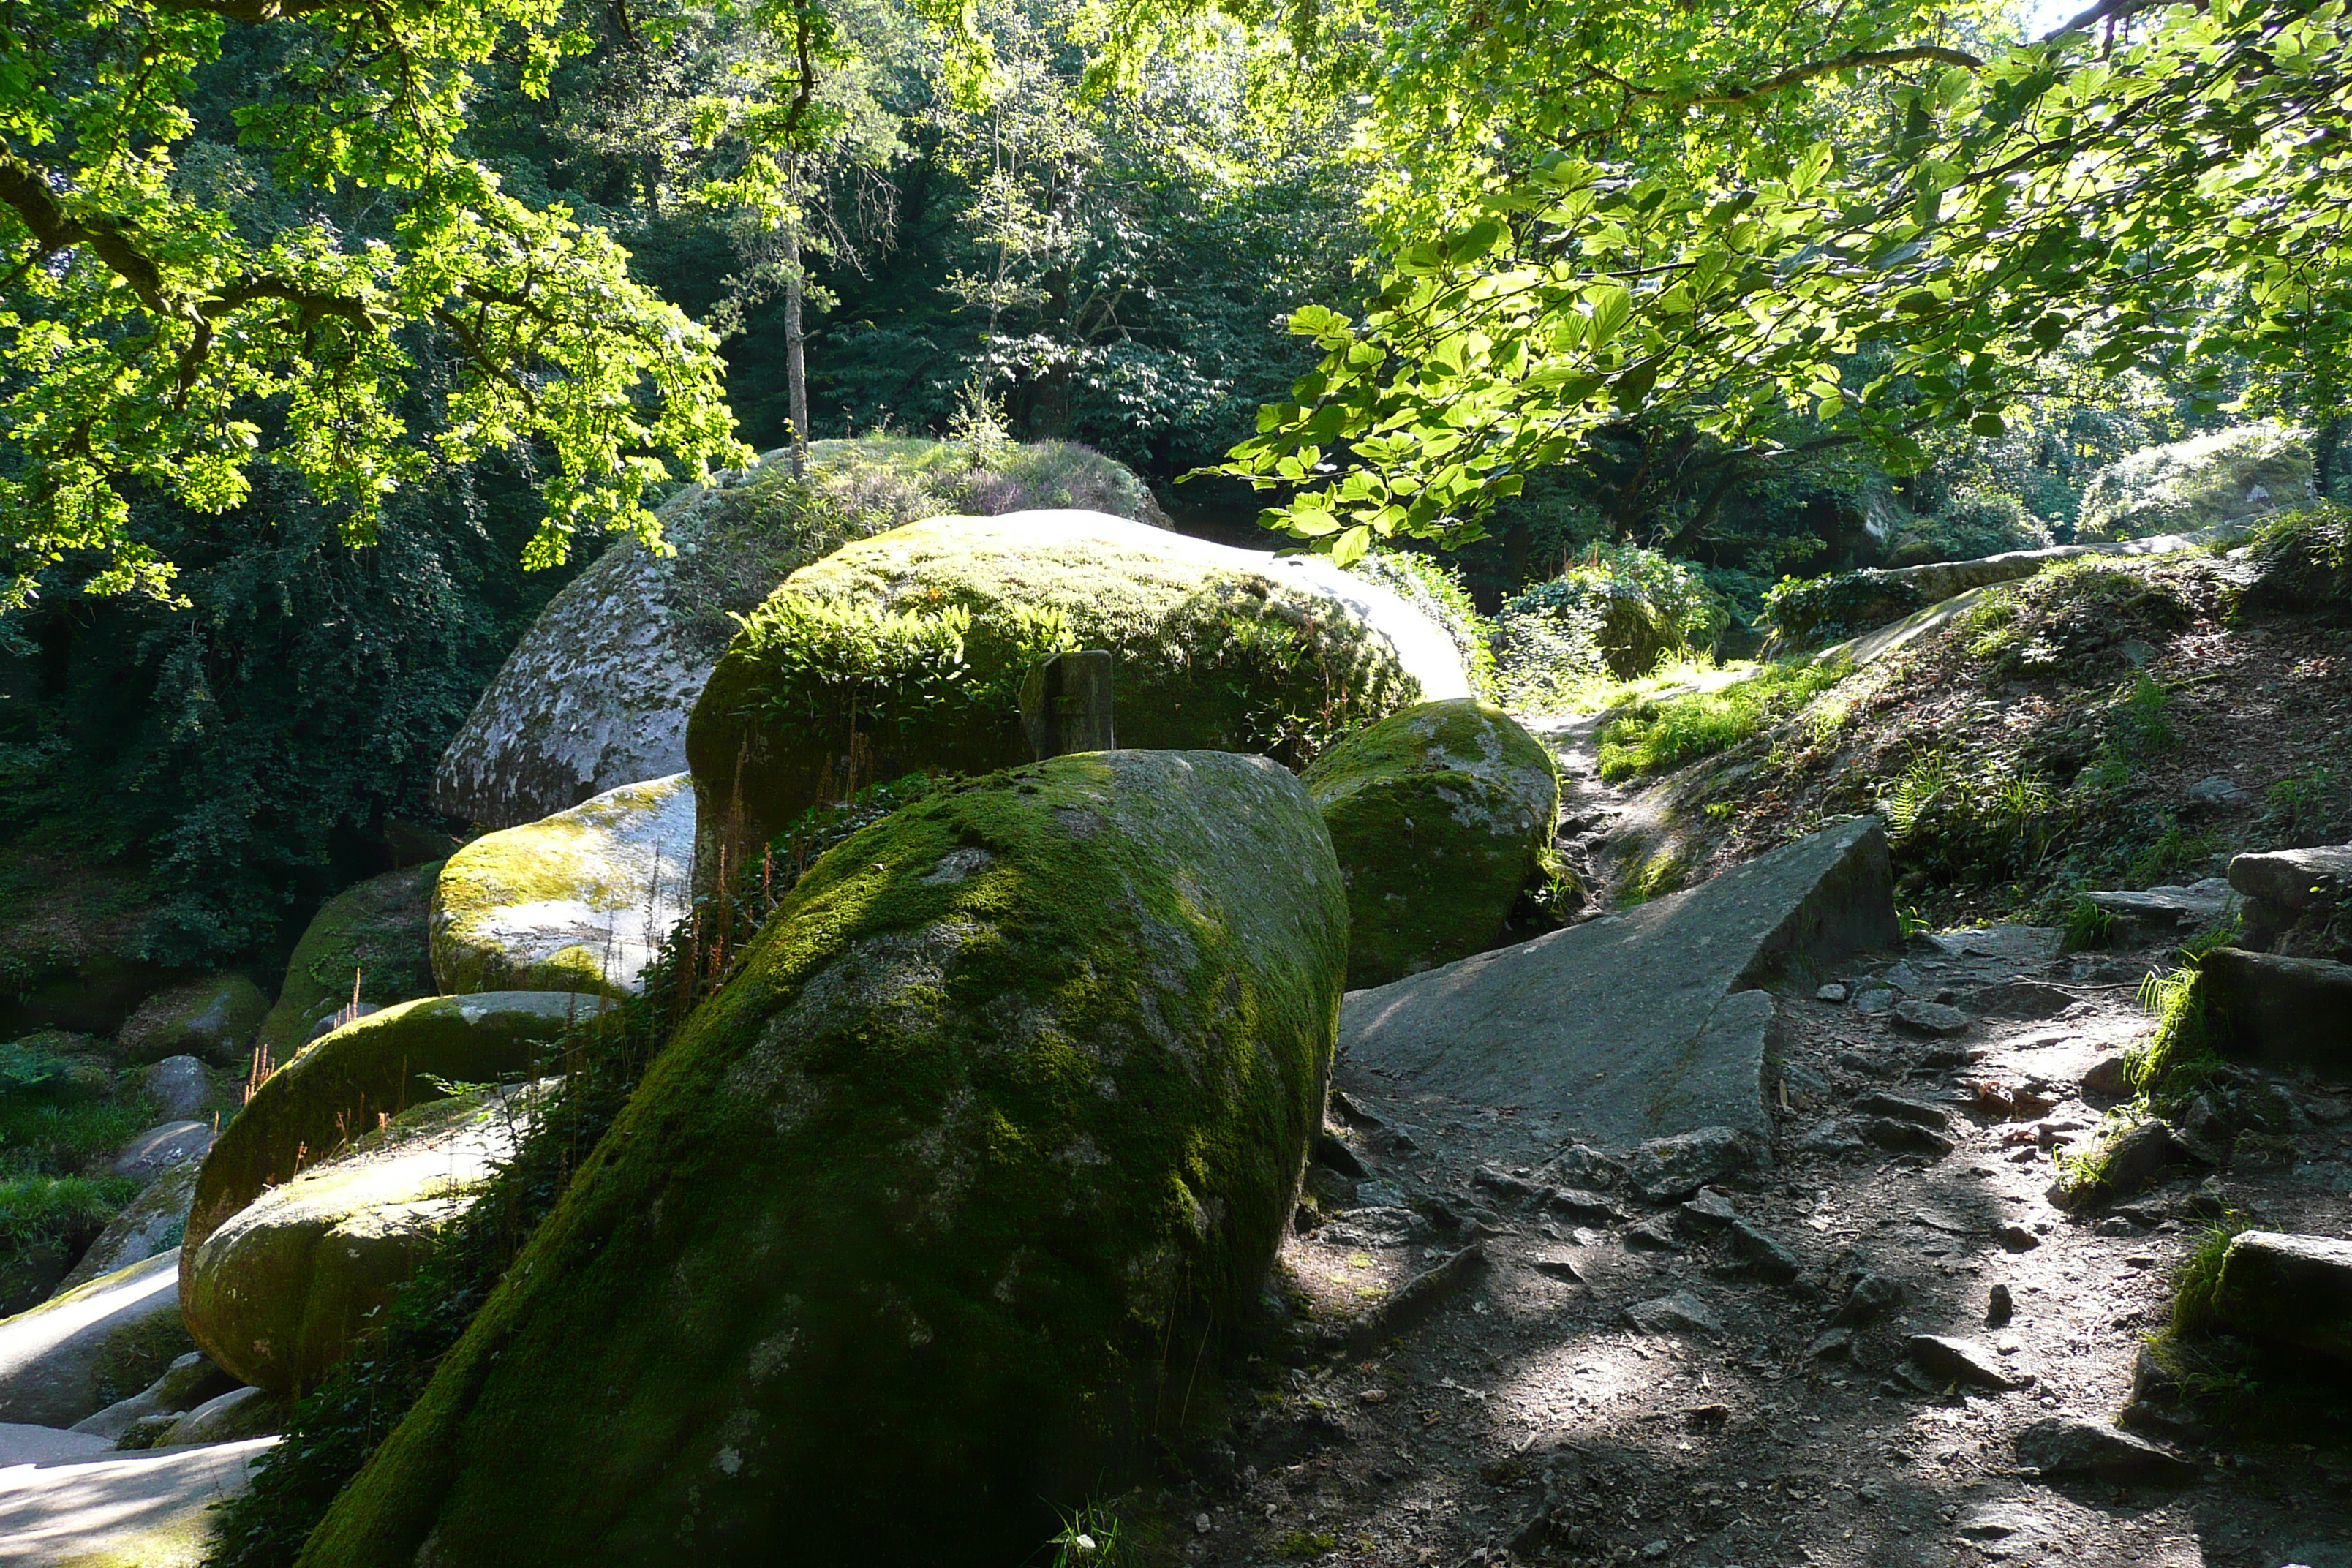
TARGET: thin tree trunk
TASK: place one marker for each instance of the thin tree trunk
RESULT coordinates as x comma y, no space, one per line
2331,436
795,358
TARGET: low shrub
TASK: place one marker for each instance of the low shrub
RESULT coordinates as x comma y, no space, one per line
1637,605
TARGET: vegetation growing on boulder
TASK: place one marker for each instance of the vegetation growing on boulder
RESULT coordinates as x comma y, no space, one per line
905,651
965,1144
1440,816
2244,471
1637,605
371,938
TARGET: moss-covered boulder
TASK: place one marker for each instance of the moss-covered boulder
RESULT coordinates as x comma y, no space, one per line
1439,815
905,651
379,1066
1003,1110
2248,470
375,931
215,1017
581,901
276,1292
596,693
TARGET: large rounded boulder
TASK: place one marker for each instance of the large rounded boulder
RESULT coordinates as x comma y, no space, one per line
213,1018
1003,1112
1439,815
904,652
280,1290
371,938
596,694
581,901
364,1074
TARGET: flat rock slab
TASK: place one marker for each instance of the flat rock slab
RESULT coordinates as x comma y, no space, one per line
1641,1024
147,1508
2295,881
2282,1011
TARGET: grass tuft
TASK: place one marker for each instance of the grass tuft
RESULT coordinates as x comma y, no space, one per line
1651,735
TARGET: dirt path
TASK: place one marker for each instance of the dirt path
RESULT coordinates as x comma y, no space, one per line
1508,1407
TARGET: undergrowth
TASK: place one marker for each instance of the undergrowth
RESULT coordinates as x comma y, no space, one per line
1651,735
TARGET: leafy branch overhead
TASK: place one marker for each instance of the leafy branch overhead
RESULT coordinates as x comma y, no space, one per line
2162,202
152,343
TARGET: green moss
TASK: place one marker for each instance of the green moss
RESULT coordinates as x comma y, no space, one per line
904,652
1000,1116
377,1068
373,932
2200,1278
1440,816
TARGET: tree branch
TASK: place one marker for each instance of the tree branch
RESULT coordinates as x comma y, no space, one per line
1852,59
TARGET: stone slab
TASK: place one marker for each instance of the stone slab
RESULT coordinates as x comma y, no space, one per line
1640,1024
147,1508
2295,881
2283,1011
53,1356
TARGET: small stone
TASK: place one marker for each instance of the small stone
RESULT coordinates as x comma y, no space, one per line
1769,1256
2214,791
1877,1103
1931,1019
1577,1203
1557,1268
1834,1345
1666,1169
1963,1361
1995,1522
1329,1188
2015,1237
1830,993
1903,1137
1505,1185
2114,1225
2109,1076
2068,1446
1649,1236
1680,1313
1872,1296
1710,1209
2000,1307
1875,1001
1202,1524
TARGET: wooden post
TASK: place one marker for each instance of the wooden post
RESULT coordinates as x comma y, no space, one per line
1066,704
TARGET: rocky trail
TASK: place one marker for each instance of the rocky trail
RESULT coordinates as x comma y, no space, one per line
1876,1343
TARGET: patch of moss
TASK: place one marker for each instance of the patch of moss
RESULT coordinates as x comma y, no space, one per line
1440,816
904,652
344,1086
1000,1116
375,932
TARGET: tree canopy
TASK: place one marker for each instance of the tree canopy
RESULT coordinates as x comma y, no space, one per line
1877,221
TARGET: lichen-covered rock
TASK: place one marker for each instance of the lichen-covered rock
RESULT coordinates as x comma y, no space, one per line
375,931
2245,471
213,1018
1439,815
379,1066
597,692
581,901
1011,1095
276,1292
149,1224
79,1351
916,640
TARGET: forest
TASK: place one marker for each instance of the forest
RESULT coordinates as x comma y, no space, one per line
495,499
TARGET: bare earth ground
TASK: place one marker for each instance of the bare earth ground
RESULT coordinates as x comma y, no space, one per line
1519,1417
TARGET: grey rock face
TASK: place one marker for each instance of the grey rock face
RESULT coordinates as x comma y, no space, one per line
1949,1360
179,1087
1666,1169
1872,1296
159,1149
151,1223
186,1383
1931,1019
2168,908
2288,1289
56,1360
2067,1445
2288,1011
2295,881
1666,1034
1680,1313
